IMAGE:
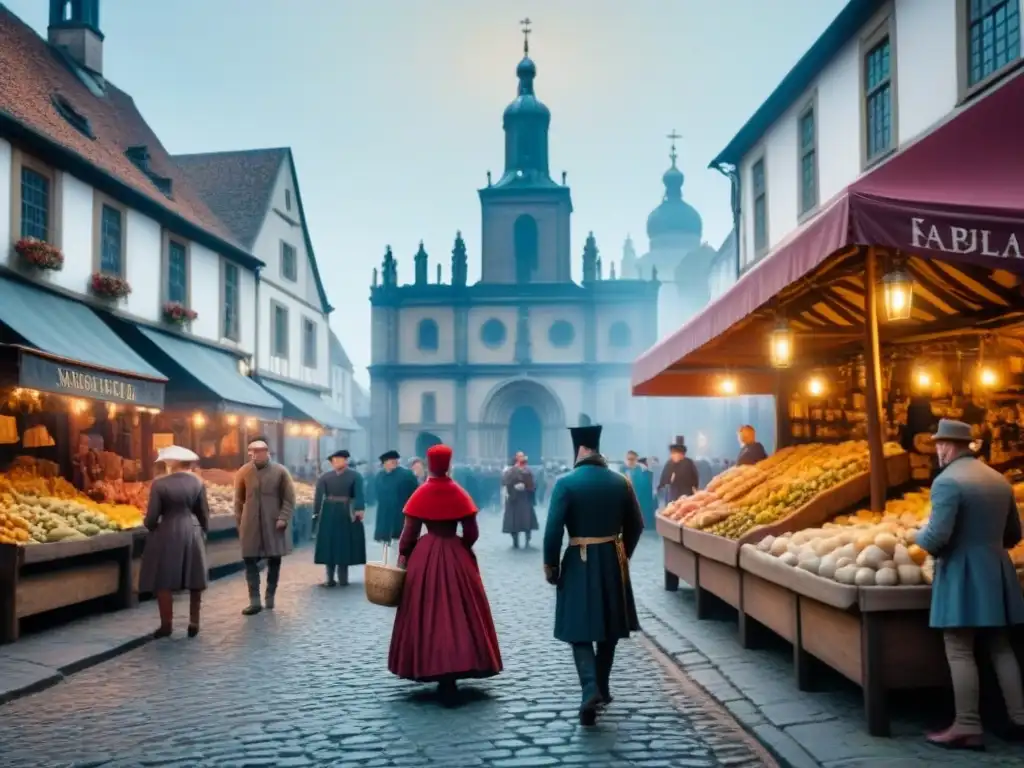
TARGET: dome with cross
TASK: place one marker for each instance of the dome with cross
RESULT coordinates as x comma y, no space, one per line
674,216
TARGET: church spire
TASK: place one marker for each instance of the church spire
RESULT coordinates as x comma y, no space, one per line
420,260
673,178
526,122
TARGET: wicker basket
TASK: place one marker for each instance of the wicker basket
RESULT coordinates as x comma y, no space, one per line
384,584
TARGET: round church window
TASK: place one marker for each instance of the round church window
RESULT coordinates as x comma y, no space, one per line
493,333
561,333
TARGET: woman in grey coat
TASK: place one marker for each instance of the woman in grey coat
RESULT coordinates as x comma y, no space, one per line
975,593
175,553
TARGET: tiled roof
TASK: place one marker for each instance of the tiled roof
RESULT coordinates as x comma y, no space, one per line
32,73
339,356
238,186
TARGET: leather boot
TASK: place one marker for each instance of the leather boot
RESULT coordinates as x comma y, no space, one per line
586,668
165,605
515,541
252,581
195,602
343,575
273,574
605,658
331,580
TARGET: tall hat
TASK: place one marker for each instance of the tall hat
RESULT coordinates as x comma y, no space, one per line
679,444
586,436
439,459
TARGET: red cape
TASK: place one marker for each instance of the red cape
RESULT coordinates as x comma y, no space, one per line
438,500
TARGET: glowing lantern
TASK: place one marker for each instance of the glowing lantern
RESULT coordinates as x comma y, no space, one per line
816,386
987,377
727,386
198,420
781,345
231,419
923,380
898,294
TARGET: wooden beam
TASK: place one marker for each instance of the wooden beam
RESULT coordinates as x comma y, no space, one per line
873,377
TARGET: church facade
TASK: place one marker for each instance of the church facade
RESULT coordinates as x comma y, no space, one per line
507,363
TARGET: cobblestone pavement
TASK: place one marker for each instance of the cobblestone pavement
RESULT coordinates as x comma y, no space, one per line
307,685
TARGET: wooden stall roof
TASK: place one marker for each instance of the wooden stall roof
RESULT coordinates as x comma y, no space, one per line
952,204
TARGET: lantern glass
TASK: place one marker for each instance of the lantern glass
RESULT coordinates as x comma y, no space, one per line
781,346
898,294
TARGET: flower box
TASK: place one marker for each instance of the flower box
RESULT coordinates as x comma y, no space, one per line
39,254
178,314
109,286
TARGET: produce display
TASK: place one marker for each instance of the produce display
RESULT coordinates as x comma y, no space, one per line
744,497
221,499
863,549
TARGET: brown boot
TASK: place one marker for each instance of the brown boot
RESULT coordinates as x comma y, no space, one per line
165,604
195,602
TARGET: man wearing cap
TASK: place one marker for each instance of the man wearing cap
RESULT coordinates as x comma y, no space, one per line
679,476
594,603
339,506
394,485
973,522
264,503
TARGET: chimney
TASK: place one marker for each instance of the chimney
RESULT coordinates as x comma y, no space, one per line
75,29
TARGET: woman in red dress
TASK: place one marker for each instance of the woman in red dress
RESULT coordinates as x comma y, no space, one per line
443,630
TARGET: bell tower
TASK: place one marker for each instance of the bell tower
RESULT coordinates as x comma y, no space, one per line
75,28
525,212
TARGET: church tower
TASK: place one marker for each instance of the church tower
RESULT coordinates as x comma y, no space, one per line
75,28
525,214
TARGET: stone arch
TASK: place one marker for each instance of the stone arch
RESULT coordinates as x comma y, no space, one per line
424,441
502,404
526,244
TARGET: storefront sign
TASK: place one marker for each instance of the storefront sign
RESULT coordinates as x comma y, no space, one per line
77,381
927,234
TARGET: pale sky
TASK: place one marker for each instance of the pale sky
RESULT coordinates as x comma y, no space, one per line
393,107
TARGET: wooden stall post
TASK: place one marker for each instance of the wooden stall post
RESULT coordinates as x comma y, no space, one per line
783,392
873,383
146,429
10,564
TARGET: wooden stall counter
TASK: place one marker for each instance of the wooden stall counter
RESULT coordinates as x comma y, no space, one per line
40,578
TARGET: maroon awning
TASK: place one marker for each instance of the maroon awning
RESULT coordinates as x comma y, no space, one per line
956,195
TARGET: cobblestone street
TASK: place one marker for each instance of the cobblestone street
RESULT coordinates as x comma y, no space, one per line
307,685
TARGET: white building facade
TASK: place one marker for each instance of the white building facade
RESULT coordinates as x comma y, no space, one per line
885,73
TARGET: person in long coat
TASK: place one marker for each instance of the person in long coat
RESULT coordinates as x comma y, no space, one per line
339,506
973,522
394,485
679,476
594,603
264,504
443,630
177,519
640,478
520,489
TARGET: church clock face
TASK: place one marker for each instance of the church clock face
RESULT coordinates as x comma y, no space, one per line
493,333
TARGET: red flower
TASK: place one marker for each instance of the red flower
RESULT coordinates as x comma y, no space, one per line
109,286
177,313
39,253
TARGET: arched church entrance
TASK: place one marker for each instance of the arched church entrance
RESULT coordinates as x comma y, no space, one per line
525,433
522,415
425,440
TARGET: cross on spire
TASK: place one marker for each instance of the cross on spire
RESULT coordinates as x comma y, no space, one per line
673,137
525,24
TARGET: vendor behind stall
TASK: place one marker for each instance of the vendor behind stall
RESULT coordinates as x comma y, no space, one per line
751,451
679,477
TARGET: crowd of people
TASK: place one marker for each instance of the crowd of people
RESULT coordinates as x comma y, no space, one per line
443,630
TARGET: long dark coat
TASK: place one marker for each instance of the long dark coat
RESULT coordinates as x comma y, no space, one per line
340,537
393,490
264,495
177,518
520,516
595,598
973,522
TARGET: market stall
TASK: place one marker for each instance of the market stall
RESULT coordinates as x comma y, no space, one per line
899,303
74,405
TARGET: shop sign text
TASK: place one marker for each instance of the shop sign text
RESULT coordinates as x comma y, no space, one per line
964,240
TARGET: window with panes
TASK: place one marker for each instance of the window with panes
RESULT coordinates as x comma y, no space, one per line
35,205
289,262
760,190
308,343
428,408
878,99
111,230
279,341
232,298
177,273
993,37
808,162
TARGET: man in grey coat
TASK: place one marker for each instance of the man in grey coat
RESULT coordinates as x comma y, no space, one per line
973,522
264,503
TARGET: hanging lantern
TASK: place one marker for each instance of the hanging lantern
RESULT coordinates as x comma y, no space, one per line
988,377
898,294
727,386
817,386
781,345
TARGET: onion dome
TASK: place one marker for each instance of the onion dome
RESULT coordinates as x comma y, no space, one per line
674,216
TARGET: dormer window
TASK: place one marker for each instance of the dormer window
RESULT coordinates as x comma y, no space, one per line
74,118
139,157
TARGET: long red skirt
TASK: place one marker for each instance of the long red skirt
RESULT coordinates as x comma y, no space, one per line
443,628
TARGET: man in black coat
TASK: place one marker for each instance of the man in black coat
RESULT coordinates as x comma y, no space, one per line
679,476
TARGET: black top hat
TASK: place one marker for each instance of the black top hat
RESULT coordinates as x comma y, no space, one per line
679,444
389,455
587,436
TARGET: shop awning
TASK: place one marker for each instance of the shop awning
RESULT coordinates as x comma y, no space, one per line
305,405
216,374
66,348
953,202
